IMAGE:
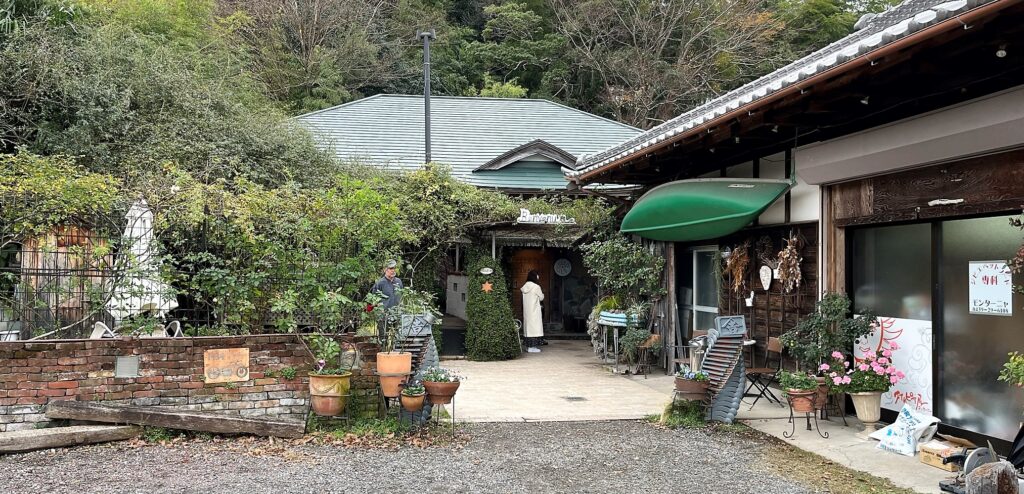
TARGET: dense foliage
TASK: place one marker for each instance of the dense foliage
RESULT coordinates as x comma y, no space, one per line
827,329
490,330
628,270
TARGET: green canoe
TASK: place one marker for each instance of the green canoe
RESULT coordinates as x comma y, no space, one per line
702,208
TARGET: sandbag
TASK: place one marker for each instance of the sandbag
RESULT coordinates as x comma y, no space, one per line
910,428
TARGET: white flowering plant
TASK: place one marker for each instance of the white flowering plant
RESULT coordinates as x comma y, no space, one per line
441,375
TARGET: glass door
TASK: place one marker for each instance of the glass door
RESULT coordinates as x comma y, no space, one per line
704,304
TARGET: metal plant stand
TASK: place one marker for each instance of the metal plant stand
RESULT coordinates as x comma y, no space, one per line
437,419
812,413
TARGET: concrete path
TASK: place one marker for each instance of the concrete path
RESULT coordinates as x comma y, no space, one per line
844,446
566,381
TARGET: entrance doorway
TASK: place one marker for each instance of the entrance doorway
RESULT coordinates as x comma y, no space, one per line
569,291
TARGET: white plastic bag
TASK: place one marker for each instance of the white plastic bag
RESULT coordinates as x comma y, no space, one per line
909,429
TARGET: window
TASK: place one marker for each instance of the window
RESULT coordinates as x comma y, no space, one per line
698,292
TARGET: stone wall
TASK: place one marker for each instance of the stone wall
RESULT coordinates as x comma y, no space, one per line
170,374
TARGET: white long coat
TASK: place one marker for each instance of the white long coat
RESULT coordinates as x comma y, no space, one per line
533,322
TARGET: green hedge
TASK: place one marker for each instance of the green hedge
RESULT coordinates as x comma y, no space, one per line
491,330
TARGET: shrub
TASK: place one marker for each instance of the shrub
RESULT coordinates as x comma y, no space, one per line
801,381
491,329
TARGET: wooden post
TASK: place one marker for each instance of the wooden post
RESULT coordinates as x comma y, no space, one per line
174,419
673,311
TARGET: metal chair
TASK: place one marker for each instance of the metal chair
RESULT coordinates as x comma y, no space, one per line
762,377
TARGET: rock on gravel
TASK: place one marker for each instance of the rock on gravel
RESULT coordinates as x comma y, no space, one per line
598,457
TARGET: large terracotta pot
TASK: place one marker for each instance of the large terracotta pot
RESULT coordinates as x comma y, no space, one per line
328,393
869,408
413,403
393,369
440,393
688,389
802,401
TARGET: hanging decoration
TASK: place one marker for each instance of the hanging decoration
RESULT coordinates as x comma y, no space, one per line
789,263
737,265
766,277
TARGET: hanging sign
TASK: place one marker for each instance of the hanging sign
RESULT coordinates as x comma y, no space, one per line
991,288
525,216
766,276
226,365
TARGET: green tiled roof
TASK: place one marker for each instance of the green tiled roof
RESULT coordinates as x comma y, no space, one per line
466,133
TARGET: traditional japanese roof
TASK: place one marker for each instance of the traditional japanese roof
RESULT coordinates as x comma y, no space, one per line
873,34
467,133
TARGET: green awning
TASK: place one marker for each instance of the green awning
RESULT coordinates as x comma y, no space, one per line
701,209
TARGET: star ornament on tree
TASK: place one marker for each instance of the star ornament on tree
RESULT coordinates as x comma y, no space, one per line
487,287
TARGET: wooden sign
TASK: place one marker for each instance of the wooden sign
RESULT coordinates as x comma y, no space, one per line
226,365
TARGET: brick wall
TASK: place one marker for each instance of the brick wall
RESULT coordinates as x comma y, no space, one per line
170,375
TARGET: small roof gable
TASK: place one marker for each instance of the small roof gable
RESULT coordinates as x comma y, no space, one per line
532,148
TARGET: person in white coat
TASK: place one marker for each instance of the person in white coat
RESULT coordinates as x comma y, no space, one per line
533,322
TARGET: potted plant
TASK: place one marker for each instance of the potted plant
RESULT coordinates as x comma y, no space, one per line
801,388
865,380
441,385
828,328
393,367
691,385
412,397
330,379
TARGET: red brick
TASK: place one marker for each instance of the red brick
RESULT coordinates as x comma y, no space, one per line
226,391
124,395
165,385
52,392
22,392
145,394
71,361
31,401
191,385
63,385
7,401
151,379
261,382
31,385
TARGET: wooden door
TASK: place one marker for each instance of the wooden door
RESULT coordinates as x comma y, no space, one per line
523,261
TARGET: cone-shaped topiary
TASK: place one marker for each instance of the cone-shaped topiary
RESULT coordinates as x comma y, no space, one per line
491,329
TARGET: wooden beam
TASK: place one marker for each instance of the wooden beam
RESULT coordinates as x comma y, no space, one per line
173,419
63,437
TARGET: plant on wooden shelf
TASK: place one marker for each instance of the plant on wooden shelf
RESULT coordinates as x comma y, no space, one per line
865,379
801,388
690,384
441,384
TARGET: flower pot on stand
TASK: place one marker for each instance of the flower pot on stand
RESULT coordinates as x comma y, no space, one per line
802,401
413,403
869,409
689,389
393,369
441,393
821,397
328,393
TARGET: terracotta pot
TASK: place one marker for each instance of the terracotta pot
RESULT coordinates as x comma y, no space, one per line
413,403
691,390
393,369
440,393
822,396
328,393
869,408
802,401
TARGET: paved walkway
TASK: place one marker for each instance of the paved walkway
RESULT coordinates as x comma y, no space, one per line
566,381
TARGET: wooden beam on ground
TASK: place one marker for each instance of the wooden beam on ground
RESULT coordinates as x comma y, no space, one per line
63,437
174,419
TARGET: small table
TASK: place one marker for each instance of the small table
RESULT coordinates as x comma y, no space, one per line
615,339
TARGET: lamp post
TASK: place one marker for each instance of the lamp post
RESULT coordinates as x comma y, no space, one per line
427,37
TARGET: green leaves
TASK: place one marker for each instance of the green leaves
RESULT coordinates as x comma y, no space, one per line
826,329
624,268
490,328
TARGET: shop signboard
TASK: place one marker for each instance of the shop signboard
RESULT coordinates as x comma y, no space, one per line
226,365
991,288
910,341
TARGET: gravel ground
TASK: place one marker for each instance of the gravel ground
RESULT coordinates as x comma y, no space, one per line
599,457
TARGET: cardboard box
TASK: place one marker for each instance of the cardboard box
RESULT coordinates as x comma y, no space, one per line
932,452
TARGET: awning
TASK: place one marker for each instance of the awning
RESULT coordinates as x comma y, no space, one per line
701,209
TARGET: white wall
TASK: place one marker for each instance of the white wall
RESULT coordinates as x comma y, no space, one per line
804,201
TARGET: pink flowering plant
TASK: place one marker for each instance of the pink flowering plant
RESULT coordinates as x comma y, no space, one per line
874,372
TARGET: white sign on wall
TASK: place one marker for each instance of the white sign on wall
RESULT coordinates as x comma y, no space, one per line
912,339
991,288
525,216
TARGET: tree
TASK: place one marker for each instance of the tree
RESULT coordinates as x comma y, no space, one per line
490,328
813,24
651,59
